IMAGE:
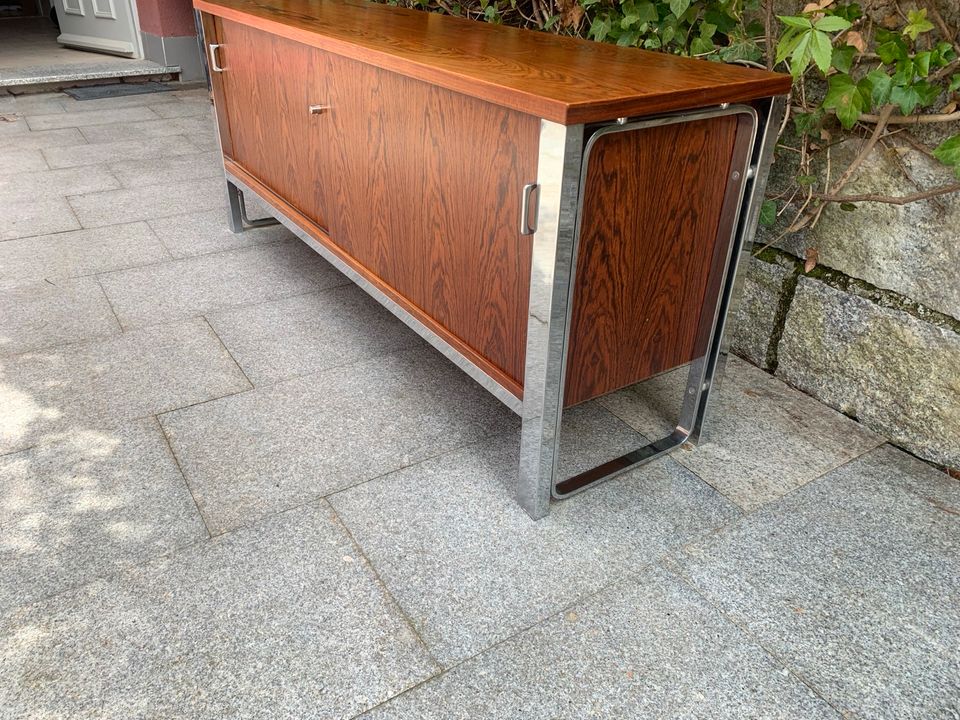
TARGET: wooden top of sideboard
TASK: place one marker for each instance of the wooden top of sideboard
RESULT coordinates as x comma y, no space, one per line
563,79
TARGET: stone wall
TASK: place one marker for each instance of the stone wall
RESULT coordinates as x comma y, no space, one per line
873,330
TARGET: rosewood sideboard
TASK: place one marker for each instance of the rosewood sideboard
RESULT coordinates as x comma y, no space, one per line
560,218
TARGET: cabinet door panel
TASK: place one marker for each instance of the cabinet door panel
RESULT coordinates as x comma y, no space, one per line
269,83
425,193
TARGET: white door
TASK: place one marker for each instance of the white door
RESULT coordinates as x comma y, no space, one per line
99,25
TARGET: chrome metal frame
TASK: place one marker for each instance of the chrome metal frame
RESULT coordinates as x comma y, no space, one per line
551,303
561,170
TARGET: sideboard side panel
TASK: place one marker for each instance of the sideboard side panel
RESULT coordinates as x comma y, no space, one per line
652,219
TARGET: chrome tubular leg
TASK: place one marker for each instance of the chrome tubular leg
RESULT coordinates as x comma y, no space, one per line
259,222
702,370
235,206
551,282
757,183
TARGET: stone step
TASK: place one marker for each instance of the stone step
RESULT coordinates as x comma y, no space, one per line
36,78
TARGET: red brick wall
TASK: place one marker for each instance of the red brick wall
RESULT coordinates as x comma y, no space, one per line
166,18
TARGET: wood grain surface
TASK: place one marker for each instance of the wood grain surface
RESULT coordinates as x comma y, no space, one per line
418,185
267,85
563,79
652,216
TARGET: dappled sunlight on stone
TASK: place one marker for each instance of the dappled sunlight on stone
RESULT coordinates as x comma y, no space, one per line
86,504
20,411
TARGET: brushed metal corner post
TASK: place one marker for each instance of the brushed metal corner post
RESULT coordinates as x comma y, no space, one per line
757,177
548,320
235,209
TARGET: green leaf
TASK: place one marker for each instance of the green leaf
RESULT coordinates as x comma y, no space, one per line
801,23
806,180
806,123
906,97
821,50
842,58
948,152
768,213
848,207
892,51
927,93
788,44
801,56
880,86
701,46
850,12
917,23
600,28
921,61
954,83
679,7
831,23
845,98
647,12
904,74
707,30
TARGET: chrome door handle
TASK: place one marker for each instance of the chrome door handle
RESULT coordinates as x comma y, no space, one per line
214,65
528,227
318,109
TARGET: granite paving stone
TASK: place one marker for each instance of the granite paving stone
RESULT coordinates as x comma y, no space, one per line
282,445
12,126
32,103
196,125
647,647
591,435
756,430
21,160
175,168
36,216
469,566
40,139
82,252
283,620
148,202
106,152
34,186
86,507
854,582
48,394
207,232
143,131
194,286
185,109
79,119
70,104
278,340
205,140
44,313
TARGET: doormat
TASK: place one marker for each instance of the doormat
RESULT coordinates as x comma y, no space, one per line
96,92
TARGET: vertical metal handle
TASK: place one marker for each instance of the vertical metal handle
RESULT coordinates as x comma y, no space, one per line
528,227
214,65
